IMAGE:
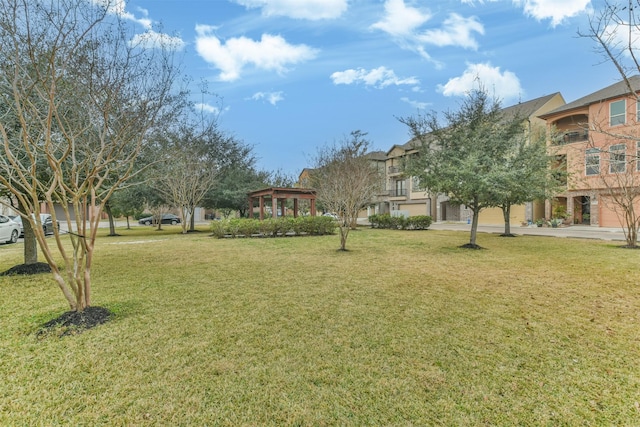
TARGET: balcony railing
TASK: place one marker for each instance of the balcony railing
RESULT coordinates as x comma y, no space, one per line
398,193
575,136
394,169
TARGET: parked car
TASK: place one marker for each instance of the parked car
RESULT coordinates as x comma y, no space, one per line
166,219
332,215
9,230
45,219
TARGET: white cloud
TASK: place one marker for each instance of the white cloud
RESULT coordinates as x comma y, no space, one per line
503,85
151,40
418,105
271,53
406,25
210,109
297,9
380,77
555,10
271,97
118,7
456,31
473,2
622,35
400,19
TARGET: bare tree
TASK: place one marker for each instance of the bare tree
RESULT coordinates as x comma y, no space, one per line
195,154
85,98
345,180
614,30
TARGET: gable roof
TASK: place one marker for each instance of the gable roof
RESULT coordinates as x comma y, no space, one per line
376,155
528,108
615,90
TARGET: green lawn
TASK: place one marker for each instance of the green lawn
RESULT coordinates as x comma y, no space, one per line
404,329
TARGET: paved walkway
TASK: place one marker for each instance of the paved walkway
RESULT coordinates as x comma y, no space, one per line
574,231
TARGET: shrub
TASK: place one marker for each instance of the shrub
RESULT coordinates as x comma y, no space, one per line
418,222
271,227
248,227
218,229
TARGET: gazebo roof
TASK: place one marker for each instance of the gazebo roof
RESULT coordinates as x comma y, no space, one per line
282,192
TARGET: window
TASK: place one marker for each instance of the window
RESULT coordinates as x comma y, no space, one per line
638,110
592,161
638,156
617,113
617,158
400,188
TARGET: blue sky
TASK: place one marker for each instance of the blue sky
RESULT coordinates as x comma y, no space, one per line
292,75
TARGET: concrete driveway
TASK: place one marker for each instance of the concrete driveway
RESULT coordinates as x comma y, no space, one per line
574,231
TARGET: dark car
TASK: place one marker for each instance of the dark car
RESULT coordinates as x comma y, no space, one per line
166,219
45,219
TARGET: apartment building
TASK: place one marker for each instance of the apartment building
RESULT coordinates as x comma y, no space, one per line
405,196
597,142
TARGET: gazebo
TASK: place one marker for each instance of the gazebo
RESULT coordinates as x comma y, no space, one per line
278,194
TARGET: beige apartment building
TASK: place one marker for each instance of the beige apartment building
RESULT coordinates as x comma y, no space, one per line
404,195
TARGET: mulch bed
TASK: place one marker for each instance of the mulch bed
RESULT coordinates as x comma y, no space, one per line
28,269
75,322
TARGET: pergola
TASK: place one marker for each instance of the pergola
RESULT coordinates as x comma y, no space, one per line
277,194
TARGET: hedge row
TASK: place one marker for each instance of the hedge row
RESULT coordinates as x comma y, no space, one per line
418,222
270,227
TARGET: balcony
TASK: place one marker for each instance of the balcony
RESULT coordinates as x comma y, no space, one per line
398,193
571,137
393,169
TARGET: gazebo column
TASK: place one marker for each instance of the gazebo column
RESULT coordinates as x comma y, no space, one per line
313,207
295,208
274,207
261,208
283,207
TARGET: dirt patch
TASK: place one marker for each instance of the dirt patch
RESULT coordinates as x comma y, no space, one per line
75,322
28,269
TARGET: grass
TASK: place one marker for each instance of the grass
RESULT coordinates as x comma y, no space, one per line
404,329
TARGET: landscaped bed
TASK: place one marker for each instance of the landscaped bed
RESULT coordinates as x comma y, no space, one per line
404,329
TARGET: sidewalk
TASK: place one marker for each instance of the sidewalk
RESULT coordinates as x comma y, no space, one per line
573,231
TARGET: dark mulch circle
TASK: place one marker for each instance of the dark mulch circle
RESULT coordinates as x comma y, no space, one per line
470,246
28,269
75,322
507,235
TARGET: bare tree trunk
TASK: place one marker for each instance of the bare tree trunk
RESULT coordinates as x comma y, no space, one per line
30,245
112,225
192,222
506,213
344,233
474,231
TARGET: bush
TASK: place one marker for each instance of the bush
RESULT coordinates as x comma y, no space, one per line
418,222
270,227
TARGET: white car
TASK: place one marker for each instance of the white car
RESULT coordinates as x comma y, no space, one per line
9,230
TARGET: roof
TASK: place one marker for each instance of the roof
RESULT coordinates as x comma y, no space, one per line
615,90
528,108
376,155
